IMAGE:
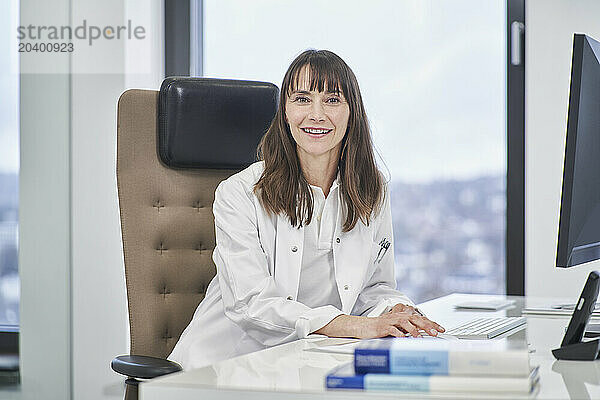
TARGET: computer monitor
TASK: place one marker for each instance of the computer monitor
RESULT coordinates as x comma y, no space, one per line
579,227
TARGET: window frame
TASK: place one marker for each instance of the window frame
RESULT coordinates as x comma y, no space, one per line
515,149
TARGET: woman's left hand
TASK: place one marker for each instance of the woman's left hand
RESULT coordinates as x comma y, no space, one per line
426,324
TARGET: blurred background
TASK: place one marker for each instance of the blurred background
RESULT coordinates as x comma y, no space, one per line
9,164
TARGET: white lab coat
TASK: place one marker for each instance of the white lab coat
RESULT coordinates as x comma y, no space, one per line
250,304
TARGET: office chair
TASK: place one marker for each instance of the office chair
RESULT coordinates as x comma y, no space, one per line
174,146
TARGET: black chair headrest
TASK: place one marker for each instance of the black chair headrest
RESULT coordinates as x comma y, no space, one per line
213,123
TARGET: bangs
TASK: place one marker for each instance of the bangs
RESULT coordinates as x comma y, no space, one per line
320,74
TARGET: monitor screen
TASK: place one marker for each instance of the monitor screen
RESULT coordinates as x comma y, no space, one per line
579,227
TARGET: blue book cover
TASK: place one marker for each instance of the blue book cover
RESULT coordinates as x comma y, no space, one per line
344,377
432,356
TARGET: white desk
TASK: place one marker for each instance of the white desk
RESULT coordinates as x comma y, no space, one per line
290,372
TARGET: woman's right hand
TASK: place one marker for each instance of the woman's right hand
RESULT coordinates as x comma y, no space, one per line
388,324
397,324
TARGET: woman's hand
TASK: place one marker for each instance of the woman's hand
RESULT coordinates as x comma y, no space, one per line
427,325
393,323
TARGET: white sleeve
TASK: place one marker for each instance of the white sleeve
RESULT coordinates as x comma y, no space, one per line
379,292
251,297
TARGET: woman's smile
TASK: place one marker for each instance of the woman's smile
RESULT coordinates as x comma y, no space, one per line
316,132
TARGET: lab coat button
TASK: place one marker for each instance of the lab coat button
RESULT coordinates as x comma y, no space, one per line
290,298
346,287
337,240
294,249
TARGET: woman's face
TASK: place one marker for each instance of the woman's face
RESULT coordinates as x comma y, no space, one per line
317,120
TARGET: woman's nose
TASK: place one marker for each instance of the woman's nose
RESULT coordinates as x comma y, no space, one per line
317,112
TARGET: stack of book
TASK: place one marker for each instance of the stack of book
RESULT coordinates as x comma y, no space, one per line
437,365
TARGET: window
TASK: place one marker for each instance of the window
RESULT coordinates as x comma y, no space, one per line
432,75
9,166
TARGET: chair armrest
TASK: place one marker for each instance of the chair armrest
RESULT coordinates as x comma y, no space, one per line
143,367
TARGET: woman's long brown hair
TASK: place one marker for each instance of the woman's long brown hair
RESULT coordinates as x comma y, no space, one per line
282,187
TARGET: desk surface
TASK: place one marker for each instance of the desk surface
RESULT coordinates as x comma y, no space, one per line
293,371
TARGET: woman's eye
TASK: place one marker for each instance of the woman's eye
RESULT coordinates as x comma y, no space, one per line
301,99
333,100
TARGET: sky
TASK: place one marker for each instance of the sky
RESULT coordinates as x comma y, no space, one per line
432,73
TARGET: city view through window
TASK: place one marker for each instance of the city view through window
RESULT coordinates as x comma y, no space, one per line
432,76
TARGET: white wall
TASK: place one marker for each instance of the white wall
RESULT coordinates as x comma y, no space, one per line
73,300
100,326
550,25
44,213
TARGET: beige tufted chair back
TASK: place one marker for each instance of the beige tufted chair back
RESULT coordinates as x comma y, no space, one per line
167,229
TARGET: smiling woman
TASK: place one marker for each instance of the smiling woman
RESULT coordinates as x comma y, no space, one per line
282,274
